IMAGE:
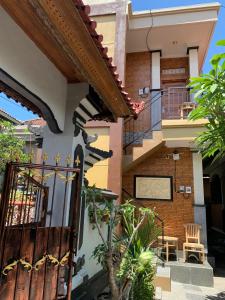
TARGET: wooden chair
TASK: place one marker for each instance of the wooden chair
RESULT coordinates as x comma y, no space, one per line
167,243
193,242
186,108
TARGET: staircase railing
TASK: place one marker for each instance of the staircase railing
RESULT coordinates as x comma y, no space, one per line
136,130
165,104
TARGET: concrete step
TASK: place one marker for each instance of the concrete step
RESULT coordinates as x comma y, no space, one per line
190,273
149,146
163,278
158,293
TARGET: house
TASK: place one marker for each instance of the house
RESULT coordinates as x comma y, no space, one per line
31,131
163,59
157,52
52,61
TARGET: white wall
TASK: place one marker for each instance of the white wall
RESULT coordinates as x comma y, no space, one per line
65,144
90,240
198,179
22,60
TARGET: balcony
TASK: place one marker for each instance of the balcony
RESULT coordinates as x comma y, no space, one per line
176,103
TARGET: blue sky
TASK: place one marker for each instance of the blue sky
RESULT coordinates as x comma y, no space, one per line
15,109
22,114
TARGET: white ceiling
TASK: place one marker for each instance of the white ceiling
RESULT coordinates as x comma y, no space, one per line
172,31
172,40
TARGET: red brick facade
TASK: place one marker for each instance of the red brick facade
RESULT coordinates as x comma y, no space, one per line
180,211
138,71
174,63
138,75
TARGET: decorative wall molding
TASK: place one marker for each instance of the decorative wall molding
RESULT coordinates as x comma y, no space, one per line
13,89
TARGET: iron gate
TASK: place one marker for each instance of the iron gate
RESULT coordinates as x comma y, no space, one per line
38,232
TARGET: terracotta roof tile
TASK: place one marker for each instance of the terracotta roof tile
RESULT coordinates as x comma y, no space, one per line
39,121
91,25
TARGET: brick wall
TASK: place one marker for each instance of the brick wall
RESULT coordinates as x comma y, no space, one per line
174,63
138,75
175,213
138,69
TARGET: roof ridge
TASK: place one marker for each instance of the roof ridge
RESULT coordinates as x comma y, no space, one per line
3,111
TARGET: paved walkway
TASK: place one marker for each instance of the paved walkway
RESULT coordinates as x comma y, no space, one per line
190,292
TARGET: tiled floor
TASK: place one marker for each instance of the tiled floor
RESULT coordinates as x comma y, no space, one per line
182,291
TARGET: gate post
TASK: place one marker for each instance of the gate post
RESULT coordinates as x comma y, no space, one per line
4,201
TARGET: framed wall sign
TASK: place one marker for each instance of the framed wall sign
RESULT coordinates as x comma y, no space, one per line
173,71
153,187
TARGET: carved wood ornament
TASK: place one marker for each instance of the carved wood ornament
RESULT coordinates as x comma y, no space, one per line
60,32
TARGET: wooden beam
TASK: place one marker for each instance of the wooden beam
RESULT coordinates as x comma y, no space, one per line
60,32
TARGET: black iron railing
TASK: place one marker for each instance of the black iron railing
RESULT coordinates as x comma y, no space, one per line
170,103
136,130
173,103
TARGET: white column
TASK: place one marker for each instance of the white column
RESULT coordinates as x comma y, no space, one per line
199,203
156,70
155,87
193,62
198,179
193,65
64,144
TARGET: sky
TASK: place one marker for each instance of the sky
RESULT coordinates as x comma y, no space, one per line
21,113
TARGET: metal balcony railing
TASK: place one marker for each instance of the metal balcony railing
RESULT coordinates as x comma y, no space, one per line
167,104
174,103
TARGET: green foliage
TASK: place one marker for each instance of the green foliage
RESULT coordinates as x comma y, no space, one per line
11,147
143,287
139,269
137,263
99,254
147,233
209,92
103,207
130,248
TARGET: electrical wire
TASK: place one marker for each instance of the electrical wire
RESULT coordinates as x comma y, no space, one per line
147,39
149,31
